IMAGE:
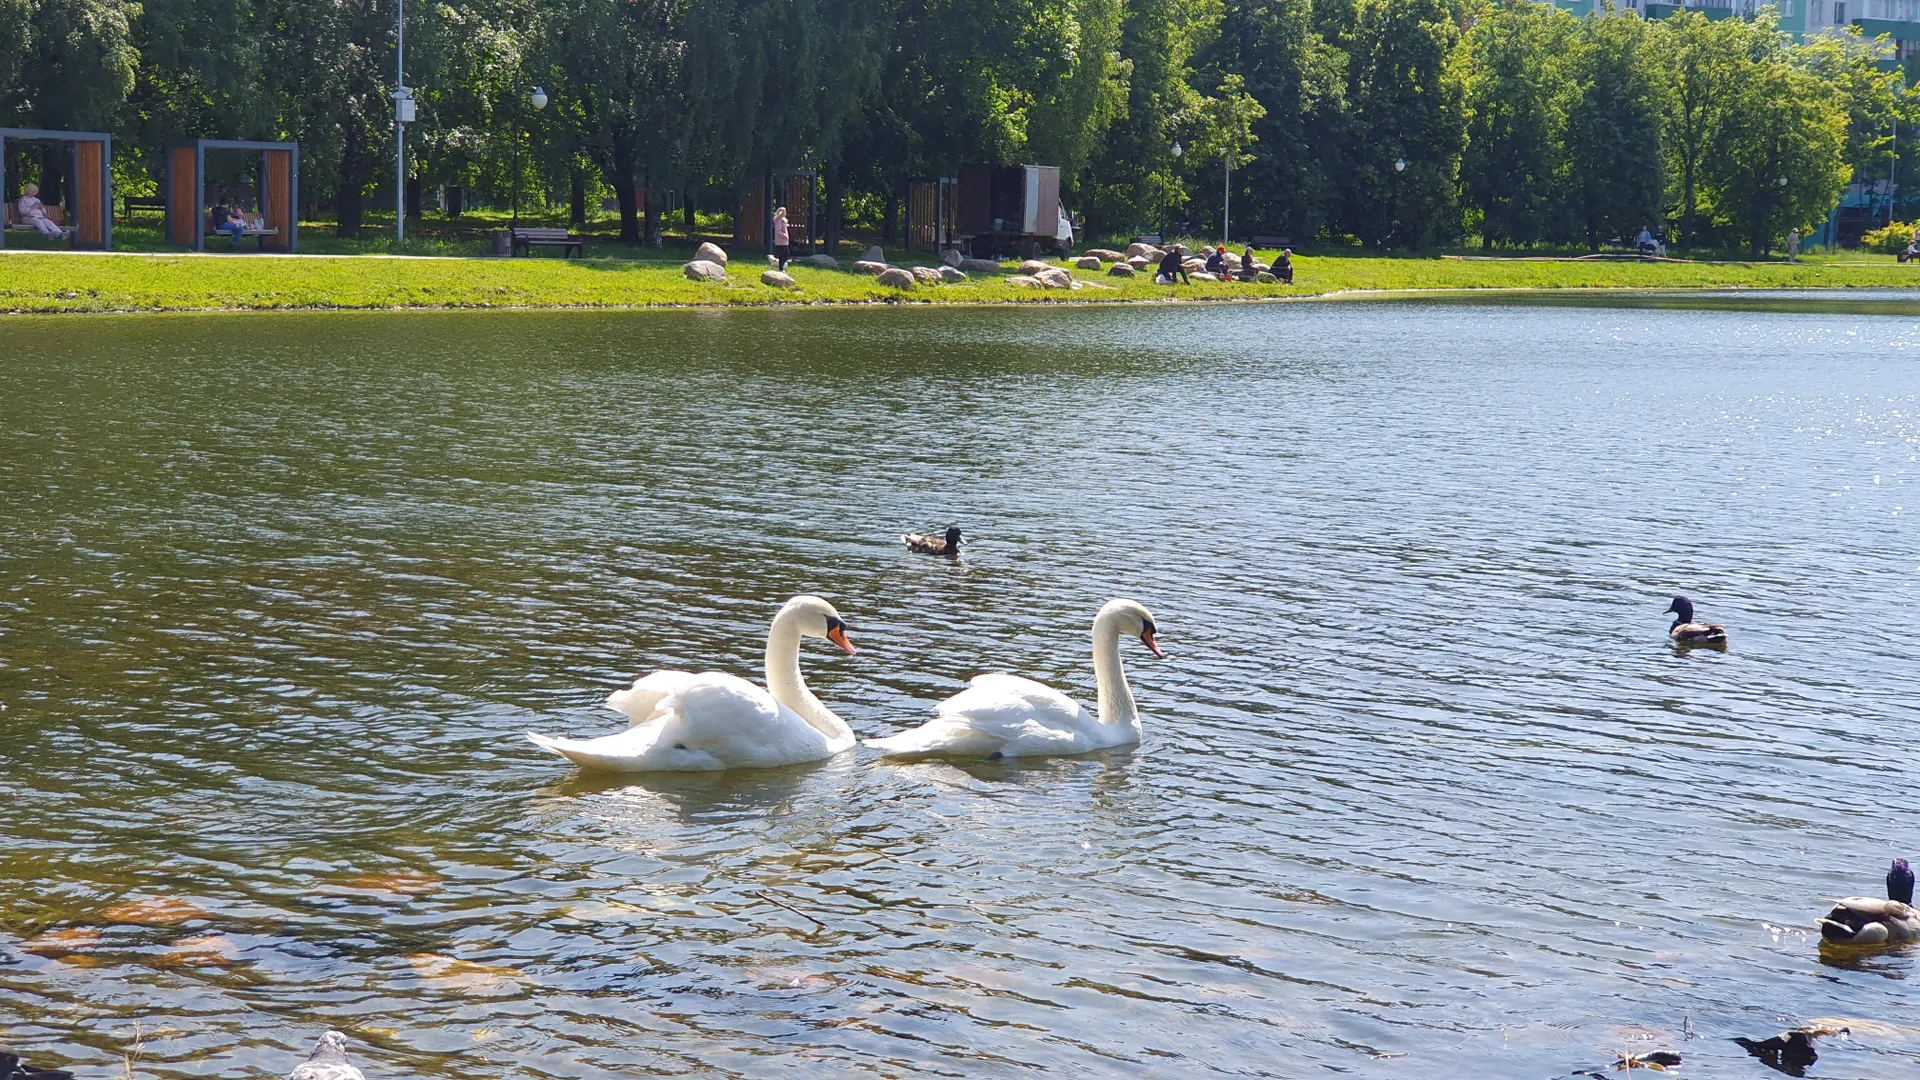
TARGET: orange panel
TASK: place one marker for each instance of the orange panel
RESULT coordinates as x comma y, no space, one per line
90,187
185,218
753,217
279,198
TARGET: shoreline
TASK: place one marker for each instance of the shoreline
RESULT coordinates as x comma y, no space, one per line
127,283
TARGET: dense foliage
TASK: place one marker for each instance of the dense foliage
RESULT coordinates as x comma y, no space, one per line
1389,123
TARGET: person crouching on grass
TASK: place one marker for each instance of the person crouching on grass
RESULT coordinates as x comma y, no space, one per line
1171,267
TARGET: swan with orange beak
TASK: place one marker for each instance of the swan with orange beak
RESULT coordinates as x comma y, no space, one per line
686,722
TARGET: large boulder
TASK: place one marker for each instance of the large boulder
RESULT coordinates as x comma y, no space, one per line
1034,267
874,254
951,257
778,280
822,261
1055,278
1139,262
704,270
896,278
1022,281
868,266
979,266
1087,262
1202,275
1265,278
1107,255
926,275
1145,251
952,275
710,253
1120,269
1193,266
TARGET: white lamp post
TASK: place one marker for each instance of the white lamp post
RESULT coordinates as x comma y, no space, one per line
1226,202
538,99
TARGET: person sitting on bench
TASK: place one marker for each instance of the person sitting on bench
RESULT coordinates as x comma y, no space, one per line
235,226
33,212
1171,267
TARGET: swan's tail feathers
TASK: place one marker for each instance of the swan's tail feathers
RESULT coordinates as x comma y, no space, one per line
936,738
549,743
609,753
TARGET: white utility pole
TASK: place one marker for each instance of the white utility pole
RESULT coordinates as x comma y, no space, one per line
402,112
1226,205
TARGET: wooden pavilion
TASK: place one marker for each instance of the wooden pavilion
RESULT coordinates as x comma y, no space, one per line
91,215
279,192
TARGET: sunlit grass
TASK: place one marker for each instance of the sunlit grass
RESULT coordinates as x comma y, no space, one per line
55,282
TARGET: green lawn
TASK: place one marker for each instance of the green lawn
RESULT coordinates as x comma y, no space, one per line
57,282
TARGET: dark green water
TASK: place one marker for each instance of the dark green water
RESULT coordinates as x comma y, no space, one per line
1421,776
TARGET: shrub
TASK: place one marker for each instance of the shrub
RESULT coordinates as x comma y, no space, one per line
1891,240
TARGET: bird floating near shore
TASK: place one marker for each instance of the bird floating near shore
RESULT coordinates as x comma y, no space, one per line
12,1068
924,544
1864,920
328,1061
1685,631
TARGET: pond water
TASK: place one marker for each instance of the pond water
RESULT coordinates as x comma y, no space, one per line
1424,791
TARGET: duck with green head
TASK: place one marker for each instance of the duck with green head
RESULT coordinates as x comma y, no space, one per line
1685,631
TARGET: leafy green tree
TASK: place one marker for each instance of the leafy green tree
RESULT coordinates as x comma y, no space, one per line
1781,124
1516,88
1289,186
1137,180
1705,61
1403,109
1616,177
1872,96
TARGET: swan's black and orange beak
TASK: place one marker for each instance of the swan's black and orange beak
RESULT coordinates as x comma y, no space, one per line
1146,638
837,633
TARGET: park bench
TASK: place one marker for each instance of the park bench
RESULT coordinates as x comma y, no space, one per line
1152,238
54,214
130,203
528,239
1270,243
258,232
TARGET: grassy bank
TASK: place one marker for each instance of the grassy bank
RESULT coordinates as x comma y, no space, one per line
59,282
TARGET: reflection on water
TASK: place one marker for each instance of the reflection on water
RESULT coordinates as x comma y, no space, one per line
1424,788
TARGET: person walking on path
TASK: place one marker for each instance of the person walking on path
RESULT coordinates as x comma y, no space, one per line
782,244
1793,245
33,213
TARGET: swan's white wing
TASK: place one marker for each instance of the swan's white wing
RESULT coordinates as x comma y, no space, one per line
696,723
641,701
997,714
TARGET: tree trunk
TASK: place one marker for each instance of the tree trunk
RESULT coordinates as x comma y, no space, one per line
1686,183
653,219
629,210
413,196
347,202
686,214
577,196
836,206
893,211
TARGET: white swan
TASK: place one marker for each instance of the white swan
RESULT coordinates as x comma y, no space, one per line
1008,716
683,722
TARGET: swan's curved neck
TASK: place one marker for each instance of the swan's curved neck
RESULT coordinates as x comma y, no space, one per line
1116,697
788,686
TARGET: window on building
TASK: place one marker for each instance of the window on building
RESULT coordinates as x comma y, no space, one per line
1839,12
1788,10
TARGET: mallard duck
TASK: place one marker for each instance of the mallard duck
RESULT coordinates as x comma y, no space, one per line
1863,920
923,544
12,1068
1685,631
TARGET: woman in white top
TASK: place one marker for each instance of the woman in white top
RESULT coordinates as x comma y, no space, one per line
33,213
782,245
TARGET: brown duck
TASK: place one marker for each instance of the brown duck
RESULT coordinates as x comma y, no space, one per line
923,544
1866,920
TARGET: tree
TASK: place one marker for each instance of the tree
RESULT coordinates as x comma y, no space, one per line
1403,109
1616,180
1516,90
1289,185
1704,61
1781,124
1137,180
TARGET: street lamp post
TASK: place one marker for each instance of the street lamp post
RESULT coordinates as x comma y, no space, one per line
538,99
1399,166
402,116
1226,202
1177,151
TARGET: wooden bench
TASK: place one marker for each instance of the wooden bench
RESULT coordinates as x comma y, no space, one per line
1270,243
54,214
1153,239
258,232
528,239
130,203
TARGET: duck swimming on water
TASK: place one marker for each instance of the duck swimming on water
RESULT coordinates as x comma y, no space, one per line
1864,920
1685,631
923,544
